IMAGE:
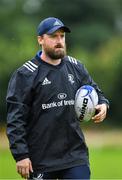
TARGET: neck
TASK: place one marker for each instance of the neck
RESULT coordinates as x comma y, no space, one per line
49,60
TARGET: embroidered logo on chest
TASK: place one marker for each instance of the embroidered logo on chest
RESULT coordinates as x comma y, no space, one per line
46,81
71,78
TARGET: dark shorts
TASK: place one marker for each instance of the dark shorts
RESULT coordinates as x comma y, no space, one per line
79,172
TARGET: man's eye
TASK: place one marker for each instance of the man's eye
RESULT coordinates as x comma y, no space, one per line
62,35
53,36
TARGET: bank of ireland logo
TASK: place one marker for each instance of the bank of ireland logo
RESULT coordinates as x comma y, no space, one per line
71,78
61,96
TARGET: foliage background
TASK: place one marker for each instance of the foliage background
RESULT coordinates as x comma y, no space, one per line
96,39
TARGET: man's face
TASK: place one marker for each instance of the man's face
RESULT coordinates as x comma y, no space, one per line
53,45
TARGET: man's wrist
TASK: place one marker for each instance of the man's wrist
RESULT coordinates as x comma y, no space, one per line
21,156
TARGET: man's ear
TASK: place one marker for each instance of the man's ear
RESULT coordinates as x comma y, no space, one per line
40,39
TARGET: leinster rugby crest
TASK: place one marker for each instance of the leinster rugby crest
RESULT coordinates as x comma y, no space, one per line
71,78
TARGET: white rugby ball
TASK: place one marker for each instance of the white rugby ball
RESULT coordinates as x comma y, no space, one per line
86,99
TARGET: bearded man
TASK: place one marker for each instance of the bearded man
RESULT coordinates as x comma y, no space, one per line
43,131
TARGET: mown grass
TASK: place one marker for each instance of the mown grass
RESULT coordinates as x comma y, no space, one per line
106,163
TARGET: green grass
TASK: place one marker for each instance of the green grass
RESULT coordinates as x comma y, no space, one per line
106,163
7,166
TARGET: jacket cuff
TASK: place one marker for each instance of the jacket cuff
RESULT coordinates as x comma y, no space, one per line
21,157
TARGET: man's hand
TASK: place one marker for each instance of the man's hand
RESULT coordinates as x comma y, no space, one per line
24,167
101,113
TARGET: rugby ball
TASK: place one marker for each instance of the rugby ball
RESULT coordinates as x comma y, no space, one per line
86,99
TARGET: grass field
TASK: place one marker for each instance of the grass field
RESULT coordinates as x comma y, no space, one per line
105,160
106,163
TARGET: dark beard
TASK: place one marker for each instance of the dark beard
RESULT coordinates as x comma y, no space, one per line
54,55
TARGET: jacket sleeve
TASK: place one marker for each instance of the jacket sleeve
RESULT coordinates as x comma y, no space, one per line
87,79
18,105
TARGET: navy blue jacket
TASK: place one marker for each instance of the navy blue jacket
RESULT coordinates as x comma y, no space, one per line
41,121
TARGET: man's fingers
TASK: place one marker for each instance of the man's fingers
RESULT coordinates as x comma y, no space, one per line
101,113
24,167
99,118
30,167
23,171
27,172
19,170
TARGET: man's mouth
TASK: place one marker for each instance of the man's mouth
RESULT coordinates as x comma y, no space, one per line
58,46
